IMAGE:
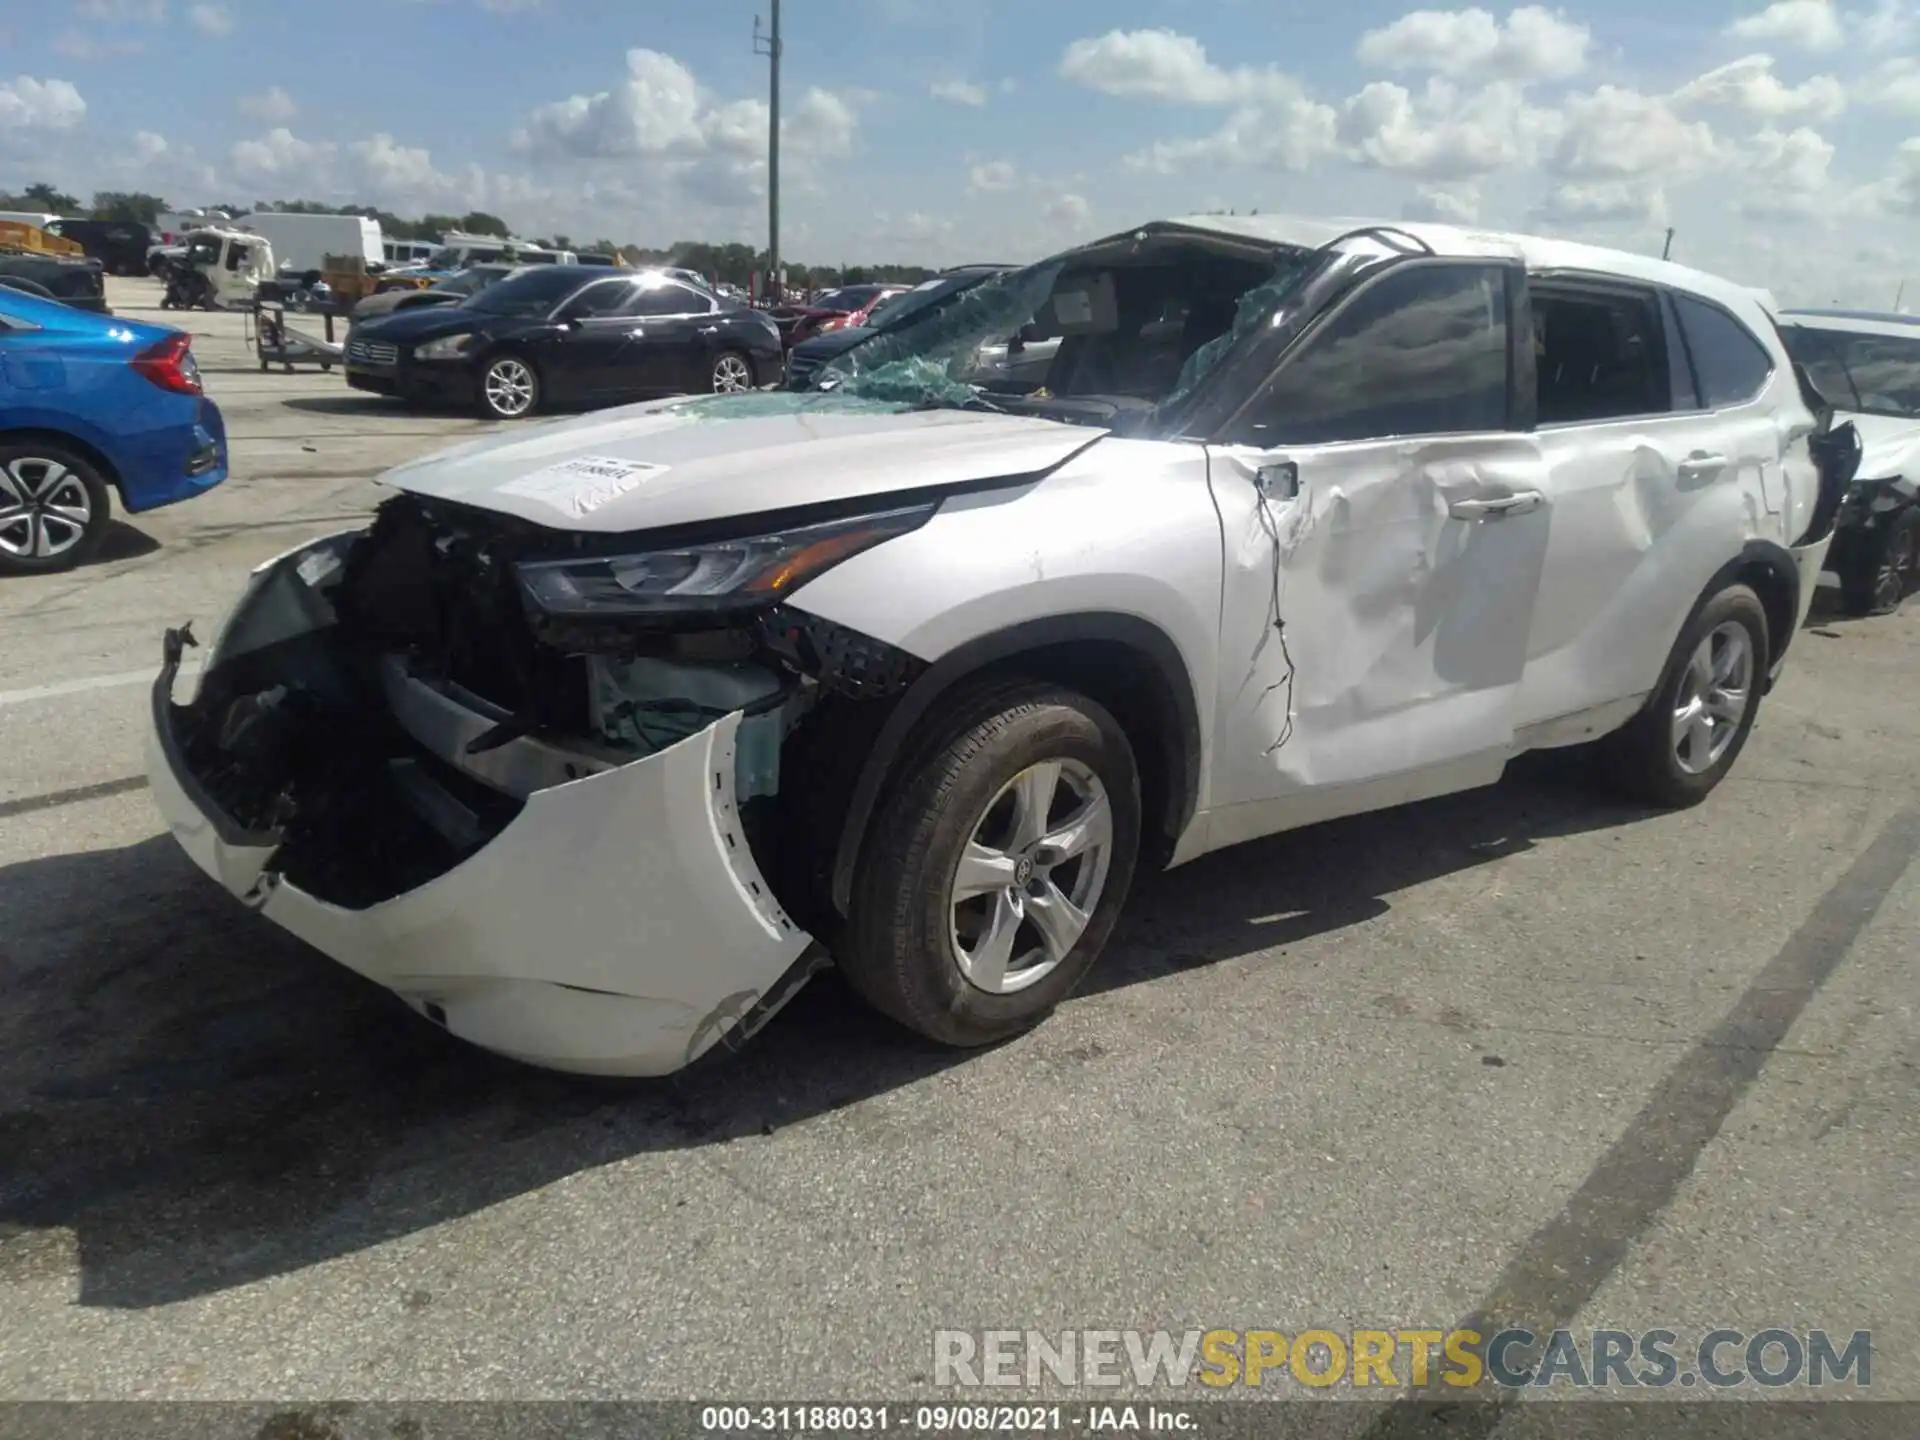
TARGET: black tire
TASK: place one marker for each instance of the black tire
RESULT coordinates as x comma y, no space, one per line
1885,573
1641,759
898,951
487,368
24,462
26,287
725,360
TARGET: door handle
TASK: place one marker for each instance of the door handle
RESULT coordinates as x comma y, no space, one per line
1497,508
1700,463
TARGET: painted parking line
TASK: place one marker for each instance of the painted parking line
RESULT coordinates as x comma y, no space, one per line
53,690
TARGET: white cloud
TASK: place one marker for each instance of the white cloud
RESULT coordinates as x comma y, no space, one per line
1445,133
1604,202
213,20
655,110
273,104
148,145
660,111
1893,86
1749,84
823,123
280,154
1790,174
993,175
1167,66
1804,24
1617,134
1449,205
1291,135
1534,44
959,92
1069,211
30,104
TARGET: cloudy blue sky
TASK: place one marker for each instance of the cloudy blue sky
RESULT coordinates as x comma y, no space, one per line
1781,141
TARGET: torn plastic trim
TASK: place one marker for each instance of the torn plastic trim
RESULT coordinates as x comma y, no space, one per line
174,643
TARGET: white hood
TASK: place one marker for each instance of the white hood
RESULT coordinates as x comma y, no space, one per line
1889,446
679,462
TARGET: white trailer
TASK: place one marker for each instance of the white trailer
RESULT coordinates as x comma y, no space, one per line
302,242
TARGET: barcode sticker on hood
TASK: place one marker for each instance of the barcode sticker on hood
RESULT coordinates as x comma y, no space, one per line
584,483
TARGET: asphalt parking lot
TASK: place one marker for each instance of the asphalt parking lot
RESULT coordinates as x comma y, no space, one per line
1523,1055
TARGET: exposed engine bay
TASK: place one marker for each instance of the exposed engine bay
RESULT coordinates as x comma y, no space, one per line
383,709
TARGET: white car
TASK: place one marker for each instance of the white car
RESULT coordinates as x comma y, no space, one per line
607,733
1868,365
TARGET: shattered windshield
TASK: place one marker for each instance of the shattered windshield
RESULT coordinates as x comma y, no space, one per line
1077,336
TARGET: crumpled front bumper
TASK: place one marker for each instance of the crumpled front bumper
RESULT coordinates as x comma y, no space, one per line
617,926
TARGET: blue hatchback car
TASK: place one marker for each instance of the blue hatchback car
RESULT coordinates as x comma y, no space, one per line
88,404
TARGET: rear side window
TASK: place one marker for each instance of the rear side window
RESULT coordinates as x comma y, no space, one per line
1421,351
1598,355
1730,366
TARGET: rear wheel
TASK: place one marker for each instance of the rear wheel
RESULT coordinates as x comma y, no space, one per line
732,373
509,387
1886,573
1693,728
54,508
996,868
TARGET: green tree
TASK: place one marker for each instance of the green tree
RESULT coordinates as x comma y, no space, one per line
479,222
131,205
43,196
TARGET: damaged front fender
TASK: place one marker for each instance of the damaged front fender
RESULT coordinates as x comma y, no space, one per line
608,917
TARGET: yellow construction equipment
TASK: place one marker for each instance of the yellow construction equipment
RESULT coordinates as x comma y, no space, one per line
17,235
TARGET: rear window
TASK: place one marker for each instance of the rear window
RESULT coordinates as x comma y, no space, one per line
1730,365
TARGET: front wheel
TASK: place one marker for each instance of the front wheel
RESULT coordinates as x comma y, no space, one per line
1880,581
53,508
1693,728
509,388
997,866
732,373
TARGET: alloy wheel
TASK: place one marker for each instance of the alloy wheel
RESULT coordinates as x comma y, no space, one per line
509,386
1030,877
1713,695
44,508
731,376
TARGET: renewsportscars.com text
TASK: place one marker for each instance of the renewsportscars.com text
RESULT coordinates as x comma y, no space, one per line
1391,1359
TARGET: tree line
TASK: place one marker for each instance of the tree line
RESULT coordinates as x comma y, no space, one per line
732,263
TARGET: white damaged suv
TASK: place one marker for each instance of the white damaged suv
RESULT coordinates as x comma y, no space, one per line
607,733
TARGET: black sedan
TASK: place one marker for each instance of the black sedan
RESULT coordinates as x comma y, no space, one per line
566,334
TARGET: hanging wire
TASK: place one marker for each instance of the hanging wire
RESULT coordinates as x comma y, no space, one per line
1271,525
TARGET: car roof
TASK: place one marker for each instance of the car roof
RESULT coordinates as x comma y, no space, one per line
1536,252
1854,322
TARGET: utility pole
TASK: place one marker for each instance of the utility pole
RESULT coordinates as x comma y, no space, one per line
768,44
1667,249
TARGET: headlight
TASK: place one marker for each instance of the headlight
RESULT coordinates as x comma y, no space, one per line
448,347
722,577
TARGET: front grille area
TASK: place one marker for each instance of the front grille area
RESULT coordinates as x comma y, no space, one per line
371,352
799,367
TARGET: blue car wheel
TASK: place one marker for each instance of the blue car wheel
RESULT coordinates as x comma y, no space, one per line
54,508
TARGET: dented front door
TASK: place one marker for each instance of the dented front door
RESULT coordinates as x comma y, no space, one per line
1374,619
